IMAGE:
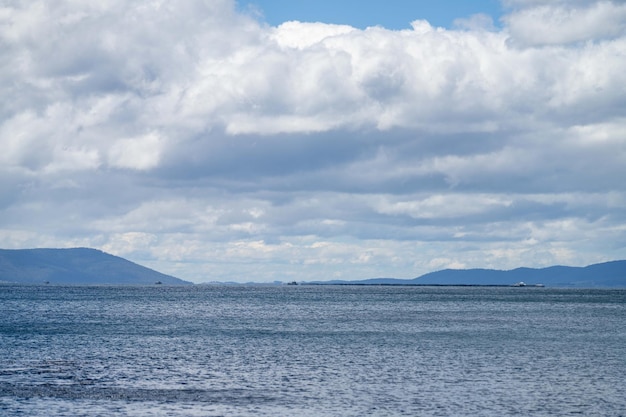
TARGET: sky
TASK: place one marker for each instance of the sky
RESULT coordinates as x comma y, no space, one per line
256,141
390,14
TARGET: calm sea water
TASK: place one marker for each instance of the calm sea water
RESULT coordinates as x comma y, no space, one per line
311,351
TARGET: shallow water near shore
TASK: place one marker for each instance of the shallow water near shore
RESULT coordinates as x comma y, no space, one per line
311,351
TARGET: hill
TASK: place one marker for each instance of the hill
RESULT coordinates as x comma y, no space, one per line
608,274
603,275
75,266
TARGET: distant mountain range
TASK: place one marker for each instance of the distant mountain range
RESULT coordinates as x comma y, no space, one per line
92,266
76,266
606,275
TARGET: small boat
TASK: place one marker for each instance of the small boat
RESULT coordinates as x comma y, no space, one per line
158,283
292,283
519,284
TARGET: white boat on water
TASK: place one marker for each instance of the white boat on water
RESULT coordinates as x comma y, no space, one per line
523,284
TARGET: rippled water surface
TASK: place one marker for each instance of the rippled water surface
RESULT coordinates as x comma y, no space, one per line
311,351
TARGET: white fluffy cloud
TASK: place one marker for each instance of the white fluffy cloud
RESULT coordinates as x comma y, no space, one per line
200,141
559,23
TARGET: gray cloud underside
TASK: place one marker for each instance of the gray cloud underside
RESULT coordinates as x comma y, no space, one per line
202,142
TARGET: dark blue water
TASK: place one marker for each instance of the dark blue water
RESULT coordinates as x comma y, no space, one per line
311,351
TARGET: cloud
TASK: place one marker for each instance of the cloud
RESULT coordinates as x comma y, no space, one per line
142,152
558,23
207,144
475,22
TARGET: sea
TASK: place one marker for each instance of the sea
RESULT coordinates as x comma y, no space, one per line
305,350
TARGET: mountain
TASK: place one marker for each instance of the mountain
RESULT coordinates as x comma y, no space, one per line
75,266
608,274
605,275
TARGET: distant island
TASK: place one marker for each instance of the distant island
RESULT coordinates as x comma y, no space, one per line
83,266
603,275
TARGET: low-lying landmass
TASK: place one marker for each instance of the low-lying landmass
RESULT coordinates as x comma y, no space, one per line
83,266
606,275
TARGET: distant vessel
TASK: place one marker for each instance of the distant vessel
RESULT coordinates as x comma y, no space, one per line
292,283
158,283
523,284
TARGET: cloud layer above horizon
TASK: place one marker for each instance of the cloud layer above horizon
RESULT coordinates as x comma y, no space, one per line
192,138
